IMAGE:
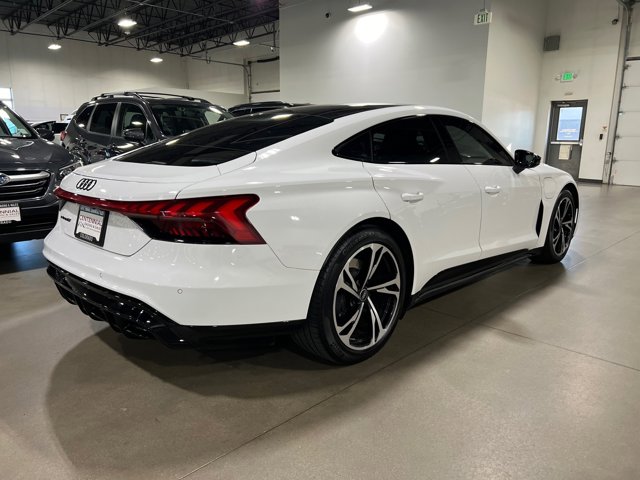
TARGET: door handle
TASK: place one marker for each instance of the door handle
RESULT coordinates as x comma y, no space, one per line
412,197
493,190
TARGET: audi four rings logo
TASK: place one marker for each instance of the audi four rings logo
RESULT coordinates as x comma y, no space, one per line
86,184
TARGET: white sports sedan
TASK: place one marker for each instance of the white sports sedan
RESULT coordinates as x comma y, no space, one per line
325,222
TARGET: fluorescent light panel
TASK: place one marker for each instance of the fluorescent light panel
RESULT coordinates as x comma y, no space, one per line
54,46
127,22
156,60
360,8
241,43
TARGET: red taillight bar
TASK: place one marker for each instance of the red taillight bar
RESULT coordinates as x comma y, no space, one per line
201,220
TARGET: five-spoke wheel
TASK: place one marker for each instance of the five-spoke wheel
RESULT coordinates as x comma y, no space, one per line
357,300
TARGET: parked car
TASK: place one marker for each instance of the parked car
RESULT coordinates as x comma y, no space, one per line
30,168
324,221
257,107
55,127
115,123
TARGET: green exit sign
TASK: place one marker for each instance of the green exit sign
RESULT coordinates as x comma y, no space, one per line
567,77
483,17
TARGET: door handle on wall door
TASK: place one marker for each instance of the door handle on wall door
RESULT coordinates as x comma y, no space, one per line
493,190
412,197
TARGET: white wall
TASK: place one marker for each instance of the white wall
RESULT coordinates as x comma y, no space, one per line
413,51
47,83
589,47
514,59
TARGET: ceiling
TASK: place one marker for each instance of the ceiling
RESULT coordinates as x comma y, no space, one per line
183,27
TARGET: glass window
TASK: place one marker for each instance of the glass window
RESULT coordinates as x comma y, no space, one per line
103,118
225,141
82,119
474,146
569,124
408,140
355,148
132,116
175,118
6,96
11,125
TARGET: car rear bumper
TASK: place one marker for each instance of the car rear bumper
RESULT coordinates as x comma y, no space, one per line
135,319
37,221
191,285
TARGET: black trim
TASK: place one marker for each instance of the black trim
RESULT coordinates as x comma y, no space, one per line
136,319
464,274
539,220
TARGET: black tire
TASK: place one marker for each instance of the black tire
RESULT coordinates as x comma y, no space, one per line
562,225
325,335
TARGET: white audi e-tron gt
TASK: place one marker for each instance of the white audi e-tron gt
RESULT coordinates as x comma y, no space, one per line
326,222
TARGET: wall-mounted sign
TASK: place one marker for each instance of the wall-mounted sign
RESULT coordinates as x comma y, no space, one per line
567,77
483,17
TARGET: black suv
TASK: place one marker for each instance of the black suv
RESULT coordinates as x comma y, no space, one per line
30,168
115,123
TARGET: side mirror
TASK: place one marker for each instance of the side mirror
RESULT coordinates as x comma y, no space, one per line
134,135
525,159
46,134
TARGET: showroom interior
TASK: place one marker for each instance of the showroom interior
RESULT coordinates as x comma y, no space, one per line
532,371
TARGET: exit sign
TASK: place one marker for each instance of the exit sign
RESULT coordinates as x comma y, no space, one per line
483,17
567,77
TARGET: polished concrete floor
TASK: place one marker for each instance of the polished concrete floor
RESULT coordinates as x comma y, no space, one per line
533,373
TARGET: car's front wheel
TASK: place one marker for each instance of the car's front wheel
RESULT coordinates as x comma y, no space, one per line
357,299
561,229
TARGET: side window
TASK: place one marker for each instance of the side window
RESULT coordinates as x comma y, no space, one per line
83,119
407,140
473,144
102,118
355,148
132,116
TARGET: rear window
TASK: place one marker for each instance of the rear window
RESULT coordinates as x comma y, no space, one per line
226,141
103,118
83,118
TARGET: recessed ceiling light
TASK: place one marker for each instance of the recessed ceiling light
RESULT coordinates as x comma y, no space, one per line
241,43
156,60
127,22
54,46
360,8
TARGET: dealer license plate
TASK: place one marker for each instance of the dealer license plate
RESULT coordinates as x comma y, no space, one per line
9,212
91,225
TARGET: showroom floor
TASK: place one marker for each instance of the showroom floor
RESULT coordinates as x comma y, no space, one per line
531,373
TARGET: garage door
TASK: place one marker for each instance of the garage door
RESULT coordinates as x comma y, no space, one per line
626,155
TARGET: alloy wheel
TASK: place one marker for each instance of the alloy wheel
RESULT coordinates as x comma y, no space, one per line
562,229
367,297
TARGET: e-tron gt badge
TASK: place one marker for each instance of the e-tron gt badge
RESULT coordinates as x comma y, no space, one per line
86,184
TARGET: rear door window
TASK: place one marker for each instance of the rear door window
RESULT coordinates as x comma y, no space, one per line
83,118
103,118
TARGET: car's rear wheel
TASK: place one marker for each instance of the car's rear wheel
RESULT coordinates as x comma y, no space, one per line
561,229
357,299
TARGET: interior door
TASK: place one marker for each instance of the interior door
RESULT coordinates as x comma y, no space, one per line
566,133
626,161
510,201
437,204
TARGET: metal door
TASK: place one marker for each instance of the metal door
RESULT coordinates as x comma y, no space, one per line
626,159
566,133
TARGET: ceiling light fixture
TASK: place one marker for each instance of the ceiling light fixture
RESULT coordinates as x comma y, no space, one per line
241,43
54,46
156,60
360,8
127,22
